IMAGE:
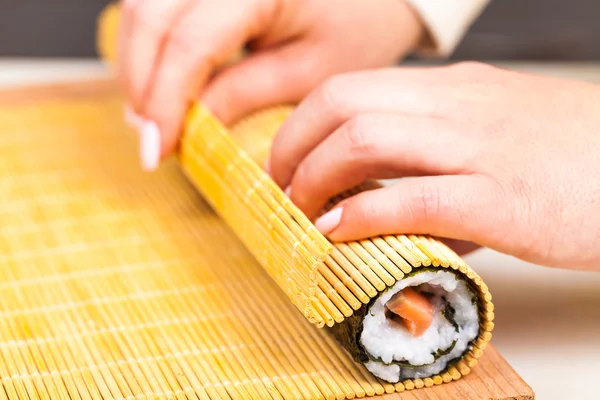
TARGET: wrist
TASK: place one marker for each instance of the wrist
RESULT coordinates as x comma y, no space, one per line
414,30
444,23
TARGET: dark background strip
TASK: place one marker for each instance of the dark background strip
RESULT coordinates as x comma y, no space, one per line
508,30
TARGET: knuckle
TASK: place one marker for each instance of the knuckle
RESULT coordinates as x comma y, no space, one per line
188,60
181,41
521,214
360,207
330,94
185,41
517,187
147,17
357,138
302,178
525,213
472,69
426,204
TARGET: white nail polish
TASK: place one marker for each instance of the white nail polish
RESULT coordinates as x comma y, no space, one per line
149,145
328,222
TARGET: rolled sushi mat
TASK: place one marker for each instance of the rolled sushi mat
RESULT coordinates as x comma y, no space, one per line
116,284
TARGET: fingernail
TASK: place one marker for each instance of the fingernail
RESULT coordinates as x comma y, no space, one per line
329,221
288,191
268,165
149,145
131,118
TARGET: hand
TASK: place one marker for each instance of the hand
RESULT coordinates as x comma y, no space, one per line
171,53
499,158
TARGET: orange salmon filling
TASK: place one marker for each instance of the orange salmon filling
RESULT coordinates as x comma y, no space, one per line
415,311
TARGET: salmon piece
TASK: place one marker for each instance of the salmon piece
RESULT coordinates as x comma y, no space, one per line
415,328
414,309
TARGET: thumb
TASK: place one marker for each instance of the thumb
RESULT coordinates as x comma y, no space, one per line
456,207
267,78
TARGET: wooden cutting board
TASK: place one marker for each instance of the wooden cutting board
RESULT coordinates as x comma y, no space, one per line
493,378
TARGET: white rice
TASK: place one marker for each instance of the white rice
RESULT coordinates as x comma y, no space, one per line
388,341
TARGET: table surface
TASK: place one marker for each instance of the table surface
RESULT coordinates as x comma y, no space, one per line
554,349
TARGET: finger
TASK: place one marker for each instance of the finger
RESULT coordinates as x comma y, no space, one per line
151,22
402,91
124,36
462,207
189,57
272,77
436,92
380,146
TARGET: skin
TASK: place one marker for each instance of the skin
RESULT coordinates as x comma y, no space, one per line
173,52
493,157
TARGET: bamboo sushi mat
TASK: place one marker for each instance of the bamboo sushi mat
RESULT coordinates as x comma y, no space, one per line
118,284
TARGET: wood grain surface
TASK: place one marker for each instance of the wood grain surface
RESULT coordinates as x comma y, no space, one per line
493,378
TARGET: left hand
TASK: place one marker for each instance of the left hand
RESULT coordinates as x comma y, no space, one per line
503,159
173,52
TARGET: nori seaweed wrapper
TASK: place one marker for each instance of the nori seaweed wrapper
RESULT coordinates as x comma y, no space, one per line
348,332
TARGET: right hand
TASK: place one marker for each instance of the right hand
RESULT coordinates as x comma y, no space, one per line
498,158
170,51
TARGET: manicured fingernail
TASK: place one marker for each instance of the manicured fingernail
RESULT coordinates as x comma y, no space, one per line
149,145
131,118
288,191
329,221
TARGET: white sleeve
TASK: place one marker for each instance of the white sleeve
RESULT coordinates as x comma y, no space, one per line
446,21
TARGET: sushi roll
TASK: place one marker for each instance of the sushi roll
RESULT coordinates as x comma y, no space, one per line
417,328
